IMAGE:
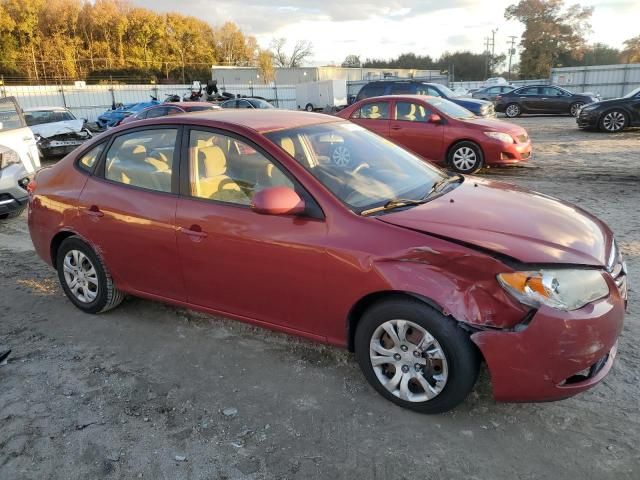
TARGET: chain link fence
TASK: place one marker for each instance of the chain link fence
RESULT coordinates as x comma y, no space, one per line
89,101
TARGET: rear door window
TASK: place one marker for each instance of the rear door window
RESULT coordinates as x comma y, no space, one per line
411,112
403,88
143,158
373,111
528,91
372,90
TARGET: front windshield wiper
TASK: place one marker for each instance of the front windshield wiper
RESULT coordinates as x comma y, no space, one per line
443,182
437,187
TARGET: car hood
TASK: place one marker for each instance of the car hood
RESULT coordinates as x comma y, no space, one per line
469,101
52,129
527,226
610,102
493,124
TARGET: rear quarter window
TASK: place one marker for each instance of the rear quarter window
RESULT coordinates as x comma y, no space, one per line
87,161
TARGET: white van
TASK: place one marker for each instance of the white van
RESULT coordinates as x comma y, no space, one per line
19,158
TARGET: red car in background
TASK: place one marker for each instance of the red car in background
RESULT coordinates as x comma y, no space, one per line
423,274
441,131
165,109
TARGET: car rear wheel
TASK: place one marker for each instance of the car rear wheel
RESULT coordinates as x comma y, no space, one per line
415,356
512,110
613,121
575,108
465,157
309,107
84,277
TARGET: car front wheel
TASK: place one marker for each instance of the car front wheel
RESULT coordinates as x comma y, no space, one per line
575,108
512,110
613,121
465,157
415,356
84,277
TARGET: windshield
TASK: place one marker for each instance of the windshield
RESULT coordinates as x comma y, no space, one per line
447,91
39,117
633,93
451,109
360,168
260,103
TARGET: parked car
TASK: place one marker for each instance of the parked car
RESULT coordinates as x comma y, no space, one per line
491,93
169,109
612,115
542,99
441,131
494,81
422,274
19,158
112,117
247,102
56,129
480,108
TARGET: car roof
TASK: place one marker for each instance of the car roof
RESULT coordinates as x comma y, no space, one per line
262,121
44,109
399,97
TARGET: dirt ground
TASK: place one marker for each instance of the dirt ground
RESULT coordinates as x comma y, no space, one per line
152,391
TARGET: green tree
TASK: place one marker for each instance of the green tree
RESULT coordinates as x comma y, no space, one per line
352,61
551,31
631,52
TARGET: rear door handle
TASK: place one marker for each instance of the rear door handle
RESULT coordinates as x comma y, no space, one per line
193,231
93,211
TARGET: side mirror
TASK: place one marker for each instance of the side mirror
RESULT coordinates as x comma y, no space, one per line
277,201
435,118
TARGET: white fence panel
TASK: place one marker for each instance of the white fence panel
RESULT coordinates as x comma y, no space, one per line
610,81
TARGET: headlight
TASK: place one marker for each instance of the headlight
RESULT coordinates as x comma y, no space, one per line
8,157
503,137
589,107
560,289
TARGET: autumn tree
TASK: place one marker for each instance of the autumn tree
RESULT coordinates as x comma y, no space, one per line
551,30
631,52
265,66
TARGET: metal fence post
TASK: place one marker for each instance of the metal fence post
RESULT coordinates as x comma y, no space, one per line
113,96
3,91
624,80
275,89
155,91
64,100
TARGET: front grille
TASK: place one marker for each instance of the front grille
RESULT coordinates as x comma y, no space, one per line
523,138
618,270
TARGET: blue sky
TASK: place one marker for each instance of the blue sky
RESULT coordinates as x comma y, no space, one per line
386,28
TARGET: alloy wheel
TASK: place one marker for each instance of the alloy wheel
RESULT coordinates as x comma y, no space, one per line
341,156
464,159
613,121
575,108
408,361
81,276
512,111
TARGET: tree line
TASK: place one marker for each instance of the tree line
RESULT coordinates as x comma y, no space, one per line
55,40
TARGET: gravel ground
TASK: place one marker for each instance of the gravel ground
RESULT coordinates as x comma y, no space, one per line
152,391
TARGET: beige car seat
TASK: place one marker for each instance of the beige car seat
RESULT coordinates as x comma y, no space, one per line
210,178
374,112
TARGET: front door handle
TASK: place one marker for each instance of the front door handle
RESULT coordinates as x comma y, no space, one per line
396,127
193,231
93,211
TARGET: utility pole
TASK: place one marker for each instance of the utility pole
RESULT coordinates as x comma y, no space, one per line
486,56
493,48
512,51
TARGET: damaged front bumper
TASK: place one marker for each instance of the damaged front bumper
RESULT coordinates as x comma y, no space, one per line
557,355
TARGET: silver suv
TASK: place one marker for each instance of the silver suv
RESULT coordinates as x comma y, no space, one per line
19,158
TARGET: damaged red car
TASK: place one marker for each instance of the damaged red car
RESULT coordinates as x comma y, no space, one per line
424,275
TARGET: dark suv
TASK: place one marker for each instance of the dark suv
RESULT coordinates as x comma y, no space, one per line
481,108
542,99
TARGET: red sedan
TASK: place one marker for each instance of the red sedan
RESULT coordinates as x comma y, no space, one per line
165,109
245,213
441,131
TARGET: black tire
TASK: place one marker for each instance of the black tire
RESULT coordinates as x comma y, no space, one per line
14,214
108,296
608,124
309,107
513,110
458,165
574,109
462,357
